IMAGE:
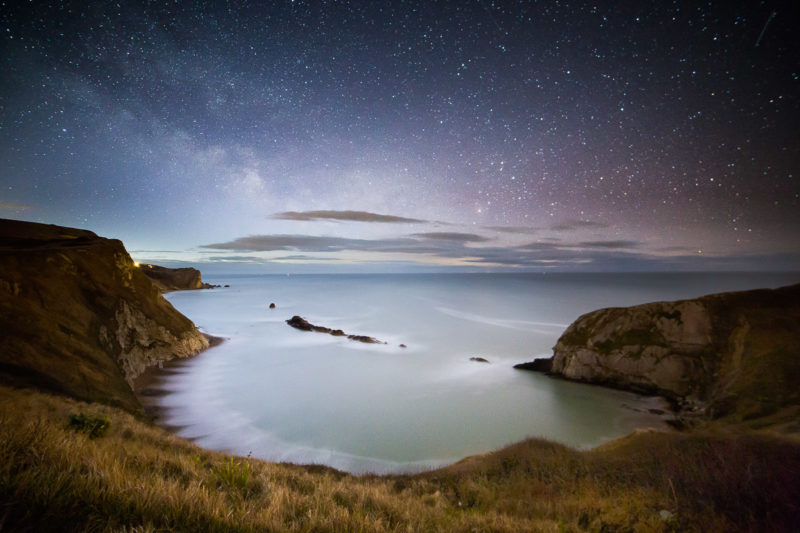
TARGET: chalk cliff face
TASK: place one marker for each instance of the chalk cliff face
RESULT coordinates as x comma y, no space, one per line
733,353
79,318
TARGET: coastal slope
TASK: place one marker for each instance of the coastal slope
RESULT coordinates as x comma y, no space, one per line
733,354
79,318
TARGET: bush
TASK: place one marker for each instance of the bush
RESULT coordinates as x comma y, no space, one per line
237,476
91,425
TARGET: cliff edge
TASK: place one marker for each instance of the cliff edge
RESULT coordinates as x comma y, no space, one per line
733,354
79,317
174,279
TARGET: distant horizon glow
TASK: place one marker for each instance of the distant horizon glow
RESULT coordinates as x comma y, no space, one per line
449,136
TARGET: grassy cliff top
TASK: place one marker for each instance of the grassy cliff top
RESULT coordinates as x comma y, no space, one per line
71,303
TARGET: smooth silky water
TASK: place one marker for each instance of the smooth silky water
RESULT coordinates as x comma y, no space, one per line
287,395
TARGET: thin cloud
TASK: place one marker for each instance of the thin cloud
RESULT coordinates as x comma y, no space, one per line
597,256
306,258
513,229
608,244
236,259
451,236
307,243
353,216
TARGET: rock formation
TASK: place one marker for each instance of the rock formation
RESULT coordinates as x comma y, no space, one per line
730,354
175,279
303,324
79,318
479,359
537,365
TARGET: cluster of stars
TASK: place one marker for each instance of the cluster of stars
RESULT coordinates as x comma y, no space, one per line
675,122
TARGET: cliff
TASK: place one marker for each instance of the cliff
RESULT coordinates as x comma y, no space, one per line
174,279
79,318
731,354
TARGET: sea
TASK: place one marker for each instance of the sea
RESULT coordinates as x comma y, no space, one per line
285,395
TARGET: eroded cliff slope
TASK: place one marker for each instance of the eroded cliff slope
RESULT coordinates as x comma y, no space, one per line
730,354
79,318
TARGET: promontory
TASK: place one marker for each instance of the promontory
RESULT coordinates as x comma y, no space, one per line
85,320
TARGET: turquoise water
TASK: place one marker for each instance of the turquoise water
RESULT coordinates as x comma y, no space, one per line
286,395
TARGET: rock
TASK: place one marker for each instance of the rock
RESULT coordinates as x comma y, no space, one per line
272,306
479,359
403,346
226,286
303,324
364,338
723,354
299,323
80,318
537,365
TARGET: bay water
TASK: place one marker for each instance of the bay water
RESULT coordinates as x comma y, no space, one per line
282,394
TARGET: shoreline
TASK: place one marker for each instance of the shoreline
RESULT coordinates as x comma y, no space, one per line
146,385
148,390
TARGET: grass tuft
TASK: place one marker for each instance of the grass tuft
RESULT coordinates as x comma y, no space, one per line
94,426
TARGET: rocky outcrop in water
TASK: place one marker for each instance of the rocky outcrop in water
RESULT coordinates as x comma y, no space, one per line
79,318
301,323
479,359
537,365
731,354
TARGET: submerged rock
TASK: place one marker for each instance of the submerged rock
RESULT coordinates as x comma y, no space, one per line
537,365
365,338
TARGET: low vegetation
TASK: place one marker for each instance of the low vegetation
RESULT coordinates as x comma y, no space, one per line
137,477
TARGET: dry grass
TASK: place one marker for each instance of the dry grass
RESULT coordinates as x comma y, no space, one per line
139,478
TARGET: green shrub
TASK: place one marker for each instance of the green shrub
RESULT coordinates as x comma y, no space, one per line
94,426
236,475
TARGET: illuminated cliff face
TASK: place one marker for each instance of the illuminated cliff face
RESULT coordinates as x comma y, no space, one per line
79,318
173,279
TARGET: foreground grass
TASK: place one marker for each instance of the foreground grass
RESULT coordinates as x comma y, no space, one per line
137,477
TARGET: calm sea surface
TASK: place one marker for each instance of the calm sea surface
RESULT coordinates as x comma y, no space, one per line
305,397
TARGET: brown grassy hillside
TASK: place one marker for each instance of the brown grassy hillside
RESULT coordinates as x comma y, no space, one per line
139,478
77,316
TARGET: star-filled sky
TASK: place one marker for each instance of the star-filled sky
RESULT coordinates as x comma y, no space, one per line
294,136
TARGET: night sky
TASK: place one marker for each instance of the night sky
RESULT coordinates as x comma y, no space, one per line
399,136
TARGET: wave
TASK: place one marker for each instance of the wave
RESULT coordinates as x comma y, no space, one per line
526,325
